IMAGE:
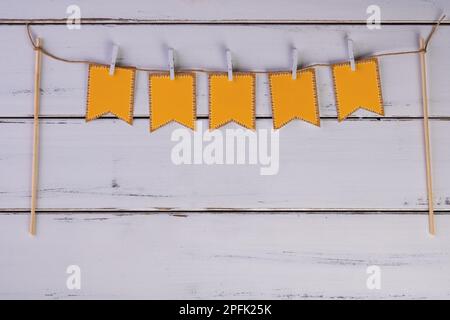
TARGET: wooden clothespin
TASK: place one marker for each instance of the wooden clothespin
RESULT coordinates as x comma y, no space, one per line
229,66
171,64
294,63
114,54
351,54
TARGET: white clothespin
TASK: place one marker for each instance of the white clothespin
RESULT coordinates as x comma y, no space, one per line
229,66
351,54
171,64
115,53
294,63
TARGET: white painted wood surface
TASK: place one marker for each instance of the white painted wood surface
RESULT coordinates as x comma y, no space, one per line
365,164
231,256
253,47
354,165
189,11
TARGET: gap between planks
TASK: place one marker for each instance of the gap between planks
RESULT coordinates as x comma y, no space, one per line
112,21
205,117
225,211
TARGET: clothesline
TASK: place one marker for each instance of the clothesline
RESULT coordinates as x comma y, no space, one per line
380,55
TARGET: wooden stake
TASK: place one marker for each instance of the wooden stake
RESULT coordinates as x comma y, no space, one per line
431,223
35,167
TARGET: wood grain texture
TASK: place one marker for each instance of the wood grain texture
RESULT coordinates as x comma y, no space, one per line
123,179
233,256
354,165
253,47
188,11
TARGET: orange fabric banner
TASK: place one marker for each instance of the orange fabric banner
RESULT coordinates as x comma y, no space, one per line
110,94
359,89
172,100
294,99
232,100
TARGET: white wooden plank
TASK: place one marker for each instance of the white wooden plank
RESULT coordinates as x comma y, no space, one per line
231,10
254,47
64,85
242,256
354,165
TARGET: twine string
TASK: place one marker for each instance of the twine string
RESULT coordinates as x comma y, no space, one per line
380,55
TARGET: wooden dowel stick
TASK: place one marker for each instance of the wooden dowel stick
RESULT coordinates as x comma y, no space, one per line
35,166
431,223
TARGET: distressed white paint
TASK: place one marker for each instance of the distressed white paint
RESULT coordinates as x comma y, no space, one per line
231,10
361,164
253,47
234,256
352,165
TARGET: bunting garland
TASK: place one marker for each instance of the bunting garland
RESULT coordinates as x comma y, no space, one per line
172,96
233,100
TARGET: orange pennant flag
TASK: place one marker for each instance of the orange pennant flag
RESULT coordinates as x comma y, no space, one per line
232,100
359,89
294,98
172,100
114,94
